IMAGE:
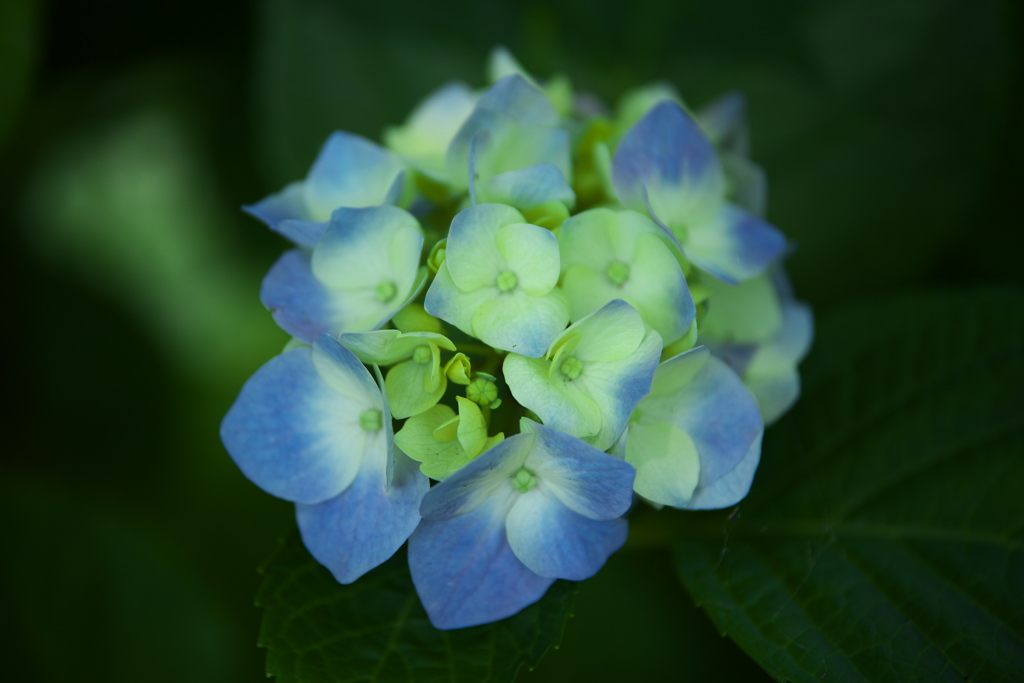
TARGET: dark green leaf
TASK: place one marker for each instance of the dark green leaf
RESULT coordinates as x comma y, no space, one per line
19,47
317,630
884,537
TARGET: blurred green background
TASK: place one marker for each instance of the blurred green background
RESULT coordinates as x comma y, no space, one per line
130,133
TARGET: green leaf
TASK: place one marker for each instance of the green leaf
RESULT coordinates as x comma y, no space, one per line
317,630
884,535
19,51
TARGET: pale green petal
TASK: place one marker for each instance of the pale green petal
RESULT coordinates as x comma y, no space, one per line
548,215
413,318
531,252
424,138
344,374
772,374
617,387
681,345
365,246
666,461
417,440
554,399
493,441
385,347
458,369
775,393
407,384
695,203
746,313
406,248
670,382
658,289
648,275
376,346
559,90
520,323
610,333
472,255
516,147
589,238
603,164
588,290
472,430
789,345
451,304
442,442
501,63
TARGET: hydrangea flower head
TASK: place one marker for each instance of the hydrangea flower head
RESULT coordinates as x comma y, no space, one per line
532,317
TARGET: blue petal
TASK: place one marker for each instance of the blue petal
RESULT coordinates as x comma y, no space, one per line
303,233
667,162
288,204
492,142
465,571
553,541
717,411
488,476
515,97
735,245
732,487
351,171
344,373
526,187
364,526
293,436
300,303
360,245
586,480
771,373
514,125
286,213
446,301
521,323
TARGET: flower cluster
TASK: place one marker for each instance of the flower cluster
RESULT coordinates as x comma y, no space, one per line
519,316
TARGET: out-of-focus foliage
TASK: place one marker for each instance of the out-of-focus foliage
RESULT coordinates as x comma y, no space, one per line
129,204
103,596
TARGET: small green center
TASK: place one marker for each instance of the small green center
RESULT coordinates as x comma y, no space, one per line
422,354
571,367
371,420
482,391
524,480
506,281
618,272
385,291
